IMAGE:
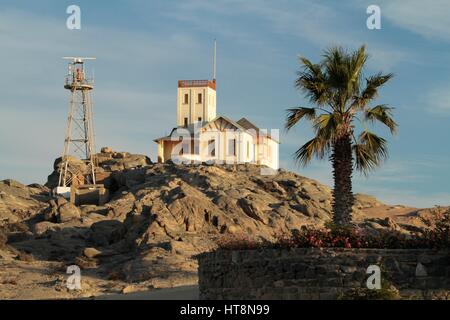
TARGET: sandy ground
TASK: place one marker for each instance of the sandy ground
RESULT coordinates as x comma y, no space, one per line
178,293
45,280
389,211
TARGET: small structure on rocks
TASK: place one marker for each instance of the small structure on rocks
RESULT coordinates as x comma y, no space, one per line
107,163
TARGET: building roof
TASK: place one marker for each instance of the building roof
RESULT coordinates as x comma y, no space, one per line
243,125
247,125
190,128
234,123
197,83
162,138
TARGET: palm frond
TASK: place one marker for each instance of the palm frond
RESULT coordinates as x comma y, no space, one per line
326,126
315,147
312,82
370,151
383,114
370,92
314,69
336,68
356,65
294,115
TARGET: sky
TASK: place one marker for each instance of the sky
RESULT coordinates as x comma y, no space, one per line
144,47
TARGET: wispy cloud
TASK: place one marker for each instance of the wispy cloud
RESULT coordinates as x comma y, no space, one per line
311,22
437,101
427,18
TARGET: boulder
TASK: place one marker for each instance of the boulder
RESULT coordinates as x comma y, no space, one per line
390,223
50,213
91,253
254,209
41,228
3,238
14,184
68,212
75,165
106,150
61,201
120,155
107,232
89,209
19,202
130,289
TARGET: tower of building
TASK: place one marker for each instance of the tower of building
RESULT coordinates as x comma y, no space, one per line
196,102
196,99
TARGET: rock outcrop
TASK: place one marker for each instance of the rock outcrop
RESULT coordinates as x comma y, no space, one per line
107,162
161,215
19,202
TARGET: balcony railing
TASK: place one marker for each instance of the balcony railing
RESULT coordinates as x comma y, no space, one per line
196,83
71,80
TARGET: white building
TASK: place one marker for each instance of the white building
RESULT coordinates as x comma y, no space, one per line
202,136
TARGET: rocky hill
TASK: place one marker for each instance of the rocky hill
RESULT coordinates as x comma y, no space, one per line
159,216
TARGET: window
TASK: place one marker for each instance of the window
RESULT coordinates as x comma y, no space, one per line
212,148
185,122
199,119
248,149
199,98
186,98
232,147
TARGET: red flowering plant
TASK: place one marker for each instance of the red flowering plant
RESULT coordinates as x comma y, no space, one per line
325,237
352,237
364,238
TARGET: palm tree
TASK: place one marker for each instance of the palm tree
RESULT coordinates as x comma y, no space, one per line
337,88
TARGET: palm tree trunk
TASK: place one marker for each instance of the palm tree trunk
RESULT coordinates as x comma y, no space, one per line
342,173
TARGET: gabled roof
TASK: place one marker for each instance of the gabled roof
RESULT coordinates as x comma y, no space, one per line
234,123
243,125
247,125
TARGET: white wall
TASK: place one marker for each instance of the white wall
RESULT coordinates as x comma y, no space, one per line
266,152
193,110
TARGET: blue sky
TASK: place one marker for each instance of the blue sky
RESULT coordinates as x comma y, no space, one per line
144,47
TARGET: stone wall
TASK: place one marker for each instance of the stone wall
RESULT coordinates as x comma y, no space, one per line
320,273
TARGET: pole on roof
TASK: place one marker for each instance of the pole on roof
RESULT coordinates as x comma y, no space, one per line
214,60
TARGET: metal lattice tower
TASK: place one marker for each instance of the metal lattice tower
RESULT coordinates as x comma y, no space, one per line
79,139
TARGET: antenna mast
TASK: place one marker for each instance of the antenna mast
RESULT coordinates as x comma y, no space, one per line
214,61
